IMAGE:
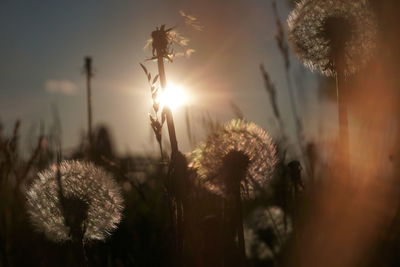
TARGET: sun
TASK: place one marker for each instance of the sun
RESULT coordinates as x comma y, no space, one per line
173,96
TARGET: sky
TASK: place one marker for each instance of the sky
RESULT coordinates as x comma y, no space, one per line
44,43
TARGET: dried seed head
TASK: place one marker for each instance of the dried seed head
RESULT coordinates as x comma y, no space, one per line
90,206
237,147
323,32
162,41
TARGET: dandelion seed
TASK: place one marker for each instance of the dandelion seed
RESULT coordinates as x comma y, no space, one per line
315,24
241,143
90,197
189,52
191,21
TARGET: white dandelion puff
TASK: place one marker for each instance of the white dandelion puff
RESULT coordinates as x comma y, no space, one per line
314,24
241,143
87,192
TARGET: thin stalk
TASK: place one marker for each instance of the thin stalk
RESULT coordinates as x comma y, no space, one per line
343,123
275,226
77,243
240,230
234,170
337,34
173,210
168,113
299,128
227,232
174,161
4,242
231,257
271,90
81,253
89,75
283,47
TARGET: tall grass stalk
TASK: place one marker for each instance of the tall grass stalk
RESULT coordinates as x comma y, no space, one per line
177,177
88,70
161,53
284,49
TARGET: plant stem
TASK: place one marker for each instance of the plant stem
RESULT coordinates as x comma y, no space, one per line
89,75
177,174
168,113
343,124
81,253
240,230
275,226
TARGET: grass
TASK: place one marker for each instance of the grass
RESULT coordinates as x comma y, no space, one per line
309,214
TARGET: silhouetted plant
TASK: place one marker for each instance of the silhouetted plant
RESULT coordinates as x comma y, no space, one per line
89,72
284,49
241,136
162,40
269,229
91,201
235,162
323,30
337,39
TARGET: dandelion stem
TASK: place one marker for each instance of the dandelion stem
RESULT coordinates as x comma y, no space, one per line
240,230
343,123
338,41
81,253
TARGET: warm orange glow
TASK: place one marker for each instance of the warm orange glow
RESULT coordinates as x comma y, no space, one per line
173,96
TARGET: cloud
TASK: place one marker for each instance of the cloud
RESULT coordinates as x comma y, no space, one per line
65,87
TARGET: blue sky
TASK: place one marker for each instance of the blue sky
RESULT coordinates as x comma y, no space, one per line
44,42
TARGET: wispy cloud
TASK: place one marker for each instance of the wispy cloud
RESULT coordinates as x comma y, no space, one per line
65,87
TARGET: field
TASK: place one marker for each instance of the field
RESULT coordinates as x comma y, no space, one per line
285,160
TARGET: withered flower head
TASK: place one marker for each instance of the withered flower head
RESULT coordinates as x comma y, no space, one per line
238,150
87,206
332,34
162,41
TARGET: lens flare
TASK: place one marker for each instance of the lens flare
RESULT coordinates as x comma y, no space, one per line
173,96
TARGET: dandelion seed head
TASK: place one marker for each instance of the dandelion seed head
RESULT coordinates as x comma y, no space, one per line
87,189
241,137
314,23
